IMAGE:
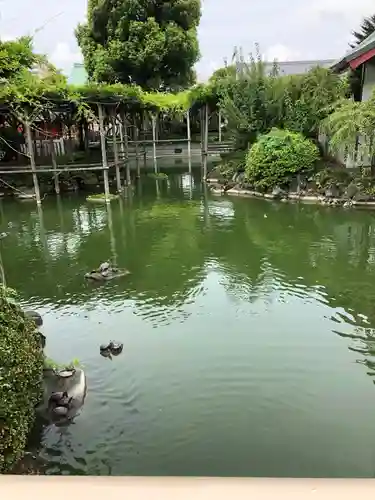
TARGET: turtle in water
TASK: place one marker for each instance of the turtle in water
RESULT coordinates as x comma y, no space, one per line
60,404
61,399
112,348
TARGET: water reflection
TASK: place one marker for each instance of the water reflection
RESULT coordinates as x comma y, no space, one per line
275,314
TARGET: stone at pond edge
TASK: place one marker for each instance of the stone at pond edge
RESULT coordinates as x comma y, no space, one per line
351,190
35,316
332,192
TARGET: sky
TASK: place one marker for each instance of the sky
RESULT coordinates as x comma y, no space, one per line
300,29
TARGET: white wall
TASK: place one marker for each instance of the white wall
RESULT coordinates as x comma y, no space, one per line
369,80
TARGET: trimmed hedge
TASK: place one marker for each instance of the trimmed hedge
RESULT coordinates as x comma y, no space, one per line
21,373
279,156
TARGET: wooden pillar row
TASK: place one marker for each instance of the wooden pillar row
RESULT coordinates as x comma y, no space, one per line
30,148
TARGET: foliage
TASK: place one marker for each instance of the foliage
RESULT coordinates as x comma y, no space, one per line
309,98
225,73
278,156
232,163
348,122
152,44
366,29
332,176
15,56
256,102
53,365
21,368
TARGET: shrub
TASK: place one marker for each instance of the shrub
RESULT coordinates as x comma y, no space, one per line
277,157
21,372
232,163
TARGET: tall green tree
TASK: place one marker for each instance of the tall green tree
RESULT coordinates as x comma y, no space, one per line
152,43
366,29
16,56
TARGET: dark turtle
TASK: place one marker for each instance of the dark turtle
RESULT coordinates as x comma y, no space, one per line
61,399
60,411
105,266
116,348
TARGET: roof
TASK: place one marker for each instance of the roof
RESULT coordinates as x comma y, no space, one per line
78,75
362,49
294,67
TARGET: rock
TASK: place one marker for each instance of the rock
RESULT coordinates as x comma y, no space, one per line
238,177
332,192
348,204
74,386
277,192
3,235
351,190
36,317
360,196
60,411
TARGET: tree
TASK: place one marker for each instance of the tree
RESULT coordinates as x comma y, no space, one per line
152,43
15,56
366,29
223,73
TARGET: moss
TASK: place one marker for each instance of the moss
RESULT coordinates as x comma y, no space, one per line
158,175
21,372
100,198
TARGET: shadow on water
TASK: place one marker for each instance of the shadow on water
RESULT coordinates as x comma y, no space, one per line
249,315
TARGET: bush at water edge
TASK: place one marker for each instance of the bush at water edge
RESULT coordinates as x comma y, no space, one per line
21,374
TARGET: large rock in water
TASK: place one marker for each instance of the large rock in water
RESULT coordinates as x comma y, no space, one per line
75,386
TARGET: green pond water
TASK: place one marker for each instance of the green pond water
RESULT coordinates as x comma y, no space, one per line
248,331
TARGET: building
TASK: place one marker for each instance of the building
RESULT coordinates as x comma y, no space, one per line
78,75
291,67
361,57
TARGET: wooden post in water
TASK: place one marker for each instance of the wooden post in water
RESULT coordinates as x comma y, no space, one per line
122,144
188,132
136,138
202,129
30,148
144,131
153,118
206,130
115,150
204,167
104,152
124,124
54,165
219,119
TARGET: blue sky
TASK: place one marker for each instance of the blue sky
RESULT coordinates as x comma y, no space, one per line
300,29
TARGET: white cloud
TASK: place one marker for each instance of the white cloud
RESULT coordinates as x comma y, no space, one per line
63,57
281,53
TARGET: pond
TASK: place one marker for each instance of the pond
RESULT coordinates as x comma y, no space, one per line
248,331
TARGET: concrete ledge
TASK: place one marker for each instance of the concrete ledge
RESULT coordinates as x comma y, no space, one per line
174,488
294,197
